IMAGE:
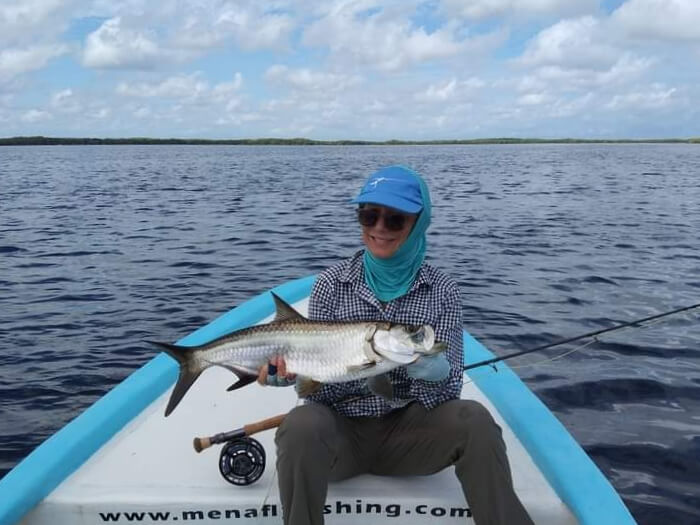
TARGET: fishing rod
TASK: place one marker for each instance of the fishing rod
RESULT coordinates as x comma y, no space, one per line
637,323
202,443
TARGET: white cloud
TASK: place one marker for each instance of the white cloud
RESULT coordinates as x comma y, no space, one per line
439,93
582,105
142,35
65,101
347,68
143,112
15,61
534,99
381,39
450,90
227,89
579,42
305,79
671,20
252,28
185,88
114,46
35,115
180,86
627,69
578,54
59,98
656,97
195,27
23,22
479,9
101,113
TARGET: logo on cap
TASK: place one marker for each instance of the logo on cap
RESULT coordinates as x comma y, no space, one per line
382,179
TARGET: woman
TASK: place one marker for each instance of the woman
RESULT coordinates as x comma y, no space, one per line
344,429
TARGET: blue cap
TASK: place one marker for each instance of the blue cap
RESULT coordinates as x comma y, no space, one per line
394,186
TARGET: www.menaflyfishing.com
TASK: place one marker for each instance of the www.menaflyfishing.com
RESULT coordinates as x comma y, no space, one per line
377,511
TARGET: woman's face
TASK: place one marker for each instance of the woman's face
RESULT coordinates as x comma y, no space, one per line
380,240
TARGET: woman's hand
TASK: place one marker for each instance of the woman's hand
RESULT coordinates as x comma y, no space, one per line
275,373
430,368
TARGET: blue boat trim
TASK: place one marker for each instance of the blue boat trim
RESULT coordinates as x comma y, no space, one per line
64,452
566,466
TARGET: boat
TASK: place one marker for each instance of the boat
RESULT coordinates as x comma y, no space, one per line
122,461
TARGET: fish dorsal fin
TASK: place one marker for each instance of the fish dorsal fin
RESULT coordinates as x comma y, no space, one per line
284,312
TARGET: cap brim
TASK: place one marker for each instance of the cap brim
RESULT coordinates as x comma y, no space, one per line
390,201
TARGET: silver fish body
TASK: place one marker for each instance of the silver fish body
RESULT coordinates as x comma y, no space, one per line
315,351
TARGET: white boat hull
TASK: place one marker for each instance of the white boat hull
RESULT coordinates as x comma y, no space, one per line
148,471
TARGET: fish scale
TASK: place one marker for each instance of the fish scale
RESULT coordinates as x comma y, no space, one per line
309,349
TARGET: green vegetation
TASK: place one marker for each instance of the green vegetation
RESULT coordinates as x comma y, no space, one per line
61,141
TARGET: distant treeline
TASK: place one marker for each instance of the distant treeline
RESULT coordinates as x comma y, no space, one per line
59,141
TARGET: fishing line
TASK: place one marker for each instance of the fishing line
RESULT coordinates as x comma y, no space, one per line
274,474
639,323
594,340
269,490
556,357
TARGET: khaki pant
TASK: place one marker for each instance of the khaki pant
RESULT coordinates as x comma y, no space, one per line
316,445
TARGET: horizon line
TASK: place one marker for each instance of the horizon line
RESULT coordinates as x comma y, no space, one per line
40,140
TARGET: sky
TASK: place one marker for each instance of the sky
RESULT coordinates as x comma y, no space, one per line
340,69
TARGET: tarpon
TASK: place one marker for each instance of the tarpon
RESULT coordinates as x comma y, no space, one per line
316,352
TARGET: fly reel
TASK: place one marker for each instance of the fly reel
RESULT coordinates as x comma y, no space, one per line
242,461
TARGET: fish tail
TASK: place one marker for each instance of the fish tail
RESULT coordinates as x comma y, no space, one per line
189,372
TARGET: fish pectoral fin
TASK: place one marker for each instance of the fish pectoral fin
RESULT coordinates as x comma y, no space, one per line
284,312
306,386
244,378
381,386
243,381
363,366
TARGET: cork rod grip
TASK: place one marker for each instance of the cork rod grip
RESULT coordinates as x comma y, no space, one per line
265,424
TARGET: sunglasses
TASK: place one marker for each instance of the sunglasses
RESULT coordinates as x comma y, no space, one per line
393,221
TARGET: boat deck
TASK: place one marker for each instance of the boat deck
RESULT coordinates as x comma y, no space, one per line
151,467
149,472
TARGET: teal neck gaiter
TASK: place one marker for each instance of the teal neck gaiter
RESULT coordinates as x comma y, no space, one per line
393,277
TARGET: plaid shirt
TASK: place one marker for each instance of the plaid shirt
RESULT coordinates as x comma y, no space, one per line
341,294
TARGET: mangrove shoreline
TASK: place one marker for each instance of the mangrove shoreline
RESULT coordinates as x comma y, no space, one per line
74,141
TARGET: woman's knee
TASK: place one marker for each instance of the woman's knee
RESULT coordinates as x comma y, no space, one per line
469,419
306,426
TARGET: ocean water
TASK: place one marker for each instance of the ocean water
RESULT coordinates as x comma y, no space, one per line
104,247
